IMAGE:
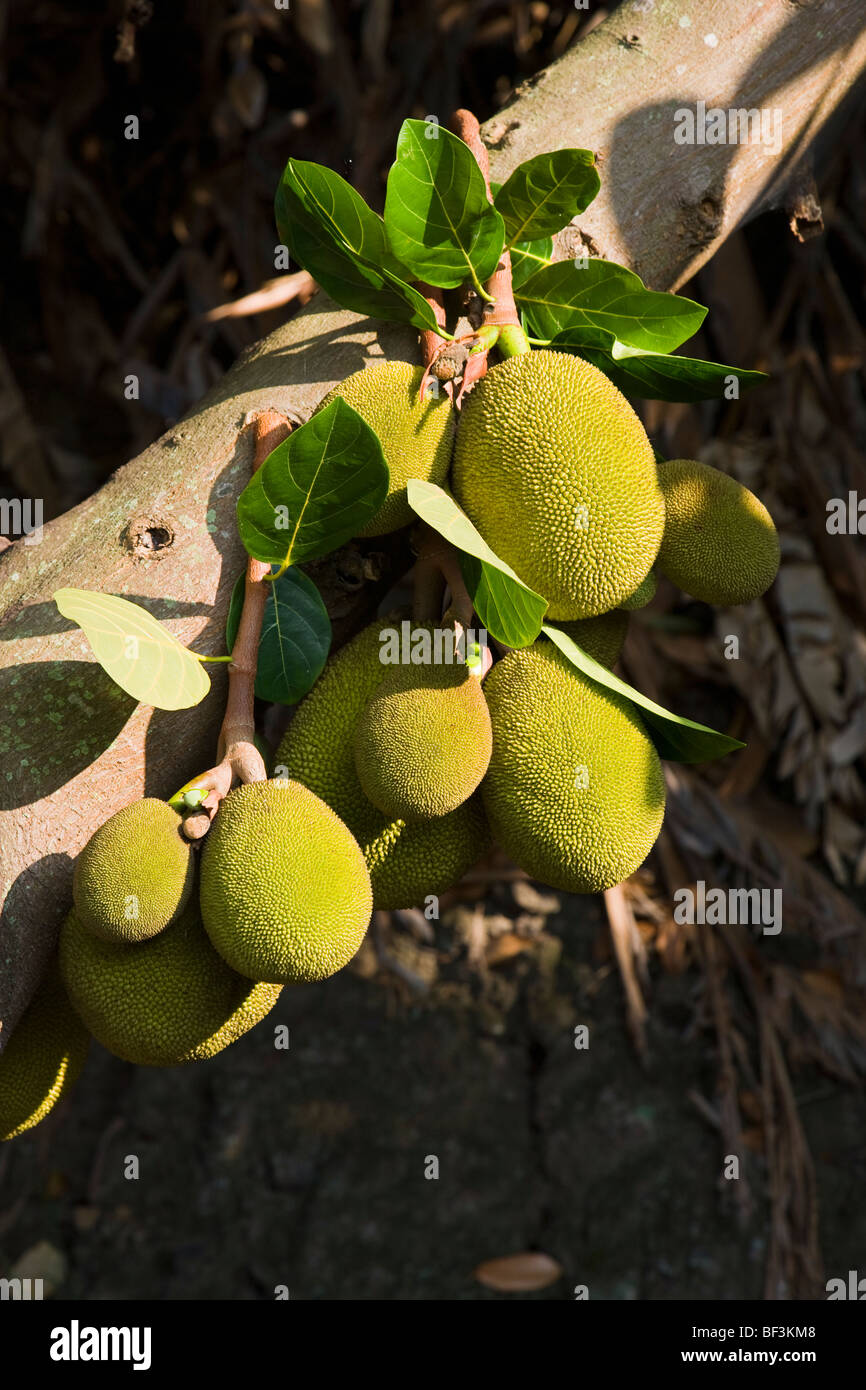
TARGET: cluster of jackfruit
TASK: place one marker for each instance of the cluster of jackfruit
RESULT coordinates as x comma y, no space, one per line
396,776
423,762
163,962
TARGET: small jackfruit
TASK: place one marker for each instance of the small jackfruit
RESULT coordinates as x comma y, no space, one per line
555,470
285,893
642,595
135,874
160,1002
422,743
720,544
575,792
601,638
42,1059
407,863
416,438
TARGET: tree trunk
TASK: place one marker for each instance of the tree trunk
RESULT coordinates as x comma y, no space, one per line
73,747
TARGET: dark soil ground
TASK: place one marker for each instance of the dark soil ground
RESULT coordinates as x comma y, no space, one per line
307,1167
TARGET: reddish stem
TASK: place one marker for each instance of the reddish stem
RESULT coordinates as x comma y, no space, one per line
239,759
499,286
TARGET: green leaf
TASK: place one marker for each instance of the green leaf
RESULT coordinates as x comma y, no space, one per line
136,651
295,640
439,221
333,234
545,192
528,257
677,739
655,375
315,491
509,610
609,297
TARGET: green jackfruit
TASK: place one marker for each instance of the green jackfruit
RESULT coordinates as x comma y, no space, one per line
720,544
407,863
555,470
285,893
601,638
642,594
160,1002
416,438
422,743
575,791
42,1059
135,874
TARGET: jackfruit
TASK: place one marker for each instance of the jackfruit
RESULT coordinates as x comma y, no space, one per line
422,743
285,893
135,874
575,792
42,1059
416,438
601,638
555,470
160,1002
642,594
407,863
720,544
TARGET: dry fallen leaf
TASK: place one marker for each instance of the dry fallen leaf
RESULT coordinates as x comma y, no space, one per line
505,947
42,1261
519,1273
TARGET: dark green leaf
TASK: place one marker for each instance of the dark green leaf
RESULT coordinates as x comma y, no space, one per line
545,192
316,490
333,234
295,640
509,610
677,739
609,297
656,375
439,221
528,257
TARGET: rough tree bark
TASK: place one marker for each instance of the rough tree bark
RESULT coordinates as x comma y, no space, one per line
73,748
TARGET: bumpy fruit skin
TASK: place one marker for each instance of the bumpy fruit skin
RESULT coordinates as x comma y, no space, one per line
555,470
642,594
285,893
720,544
137,863
422,743
575,792
42,1060
601,638
416,439
160,1002
407,863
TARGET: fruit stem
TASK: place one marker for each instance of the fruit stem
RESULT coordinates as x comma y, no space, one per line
435,553
500,311
238,756
433,345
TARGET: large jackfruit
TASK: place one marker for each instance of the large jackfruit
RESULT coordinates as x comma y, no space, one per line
416,438
160,1002
42,1059
135,874
720,544
575,791
285,893
407,863
422,742
555,470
